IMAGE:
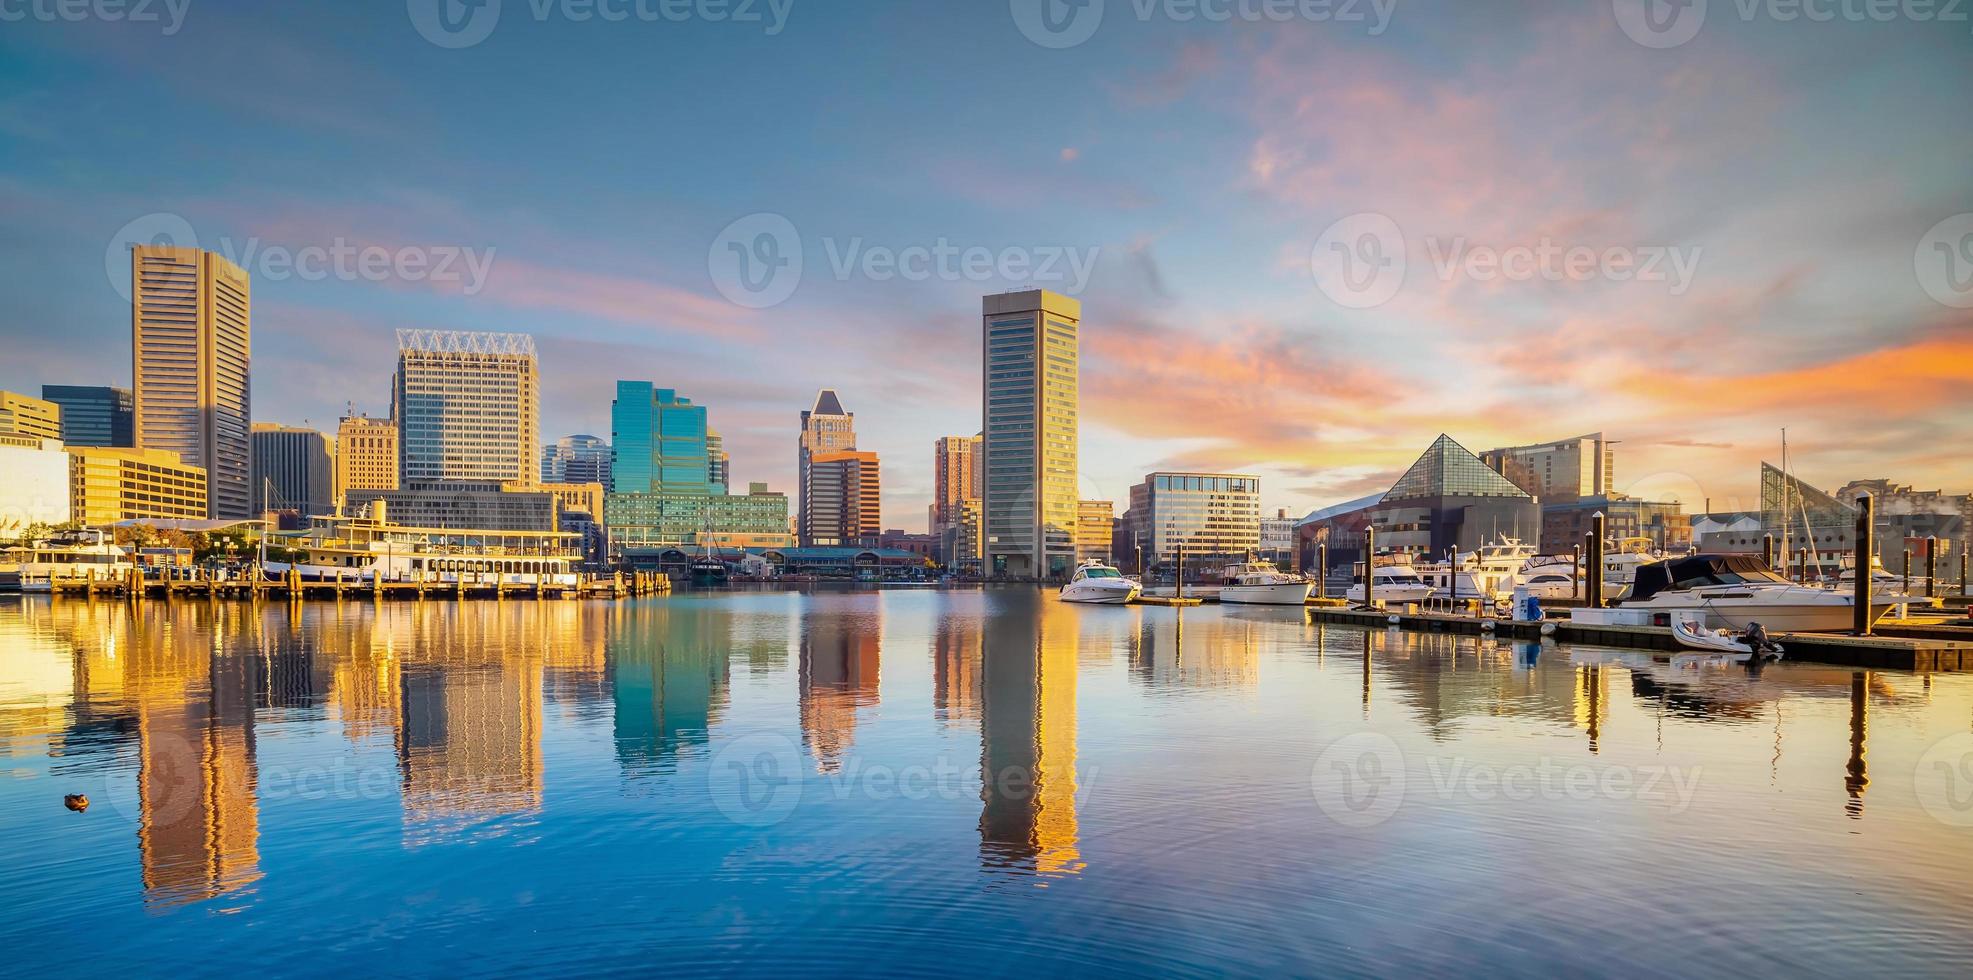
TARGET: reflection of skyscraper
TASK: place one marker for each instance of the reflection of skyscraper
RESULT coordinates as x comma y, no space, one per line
469,745
198,828
956,670
839,663
669,682
1028,738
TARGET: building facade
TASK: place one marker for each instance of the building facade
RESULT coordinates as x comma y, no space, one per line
191,342
94,415
1096,524
648,521
465,505
35,485
1583,466
826,428
719,465
366,457
576,459
658,441
1278,538
843,506
1906,514
1030,400
23,415
955,478
1450,498
293,469
110,484
467,407
1662,524
1211,514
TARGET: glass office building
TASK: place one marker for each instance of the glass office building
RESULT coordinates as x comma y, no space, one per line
1211,514
658,441
94,415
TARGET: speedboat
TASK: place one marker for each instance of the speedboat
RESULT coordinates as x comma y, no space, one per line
1098,583
1261,583
1732,591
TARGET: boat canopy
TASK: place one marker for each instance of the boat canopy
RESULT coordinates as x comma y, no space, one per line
1698,571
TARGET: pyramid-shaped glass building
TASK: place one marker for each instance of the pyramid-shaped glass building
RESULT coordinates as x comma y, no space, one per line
1450,498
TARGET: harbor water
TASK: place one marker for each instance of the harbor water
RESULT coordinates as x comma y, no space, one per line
954,781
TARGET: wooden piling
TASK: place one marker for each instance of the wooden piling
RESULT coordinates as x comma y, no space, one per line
1866,531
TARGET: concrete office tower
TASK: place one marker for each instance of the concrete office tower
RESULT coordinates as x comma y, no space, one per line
1030,342
576,459
94,415
366,456
843,499
826,428
293,469
954,460
191,343
467,407
25,415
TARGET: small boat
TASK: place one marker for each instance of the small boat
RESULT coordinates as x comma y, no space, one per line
1689,629
1100,584
1262,583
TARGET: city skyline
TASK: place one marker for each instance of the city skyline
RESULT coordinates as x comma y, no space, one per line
1210,345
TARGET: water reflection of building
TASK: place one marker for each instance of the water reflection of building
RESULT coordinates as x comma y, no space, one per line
956,670
840,655
1028,738
669,683
1205,652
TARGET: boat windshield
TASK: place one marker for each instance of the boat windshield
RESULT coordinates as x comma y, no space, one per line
1101,573
1399,580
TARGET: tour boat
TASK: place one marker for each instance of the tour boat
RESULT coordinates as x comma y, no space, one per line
1261,583
1733,591
360,550
70,556
1096,582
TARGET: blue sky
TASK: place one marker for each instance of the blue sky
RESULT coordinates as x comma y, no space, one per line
1783,181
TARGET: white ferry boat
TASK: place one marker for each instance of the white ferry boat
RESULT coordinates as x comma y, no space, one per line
71,556
360,550
1262,583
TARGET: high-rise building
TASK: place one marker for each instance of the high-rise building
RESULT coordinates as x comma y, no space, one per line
843,506
366,456
23,415
1211,514
34,487
467,407
293,469
719,465
1096,523
826,428
191,343
108,484
658,441
1583,466
1030,404
94,415
955,461
576,459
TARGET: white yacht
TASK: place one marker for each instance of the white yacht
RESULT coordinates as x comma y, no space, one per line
1732,591
1261,583
1551,583
66,557
1396,580
1096,582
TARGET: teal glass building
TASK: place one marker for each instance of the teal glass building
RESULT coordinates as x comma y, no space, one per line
658,441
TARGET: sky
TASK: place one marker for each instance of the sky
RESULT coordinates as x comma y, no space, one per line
1308,237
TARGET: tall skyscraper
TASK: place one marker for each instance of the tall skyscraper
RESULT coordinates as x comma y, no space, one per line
366,456
719,465
467,407
293,469
826,428
96,415
844,499
1030,399
658,441
191,343
576,459
954,480
25,415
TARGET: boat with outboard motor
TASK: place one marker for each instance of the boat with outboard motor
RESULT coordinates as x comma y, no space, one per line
1100,584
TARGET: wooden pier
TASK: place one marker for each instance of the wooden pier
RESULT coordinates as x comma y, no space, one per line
293,588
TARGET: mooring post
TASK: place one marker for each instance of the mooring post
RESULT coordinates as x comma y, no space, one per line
1907,571
1576,582
1322,566
1931,566
1180,578
1866,546
1370,566
1767,551
1596,563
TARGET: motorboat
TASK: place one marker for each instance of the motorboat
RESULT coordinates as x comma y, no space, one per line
1101,584
69,556
1395,580
1261,583
1691,633
1550,583
1732,591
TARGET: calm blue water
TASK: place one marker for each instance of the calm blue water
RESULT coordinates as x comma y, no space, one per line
783,782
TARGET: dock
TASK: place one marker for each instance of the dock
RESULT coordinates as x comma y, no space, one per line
294,588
